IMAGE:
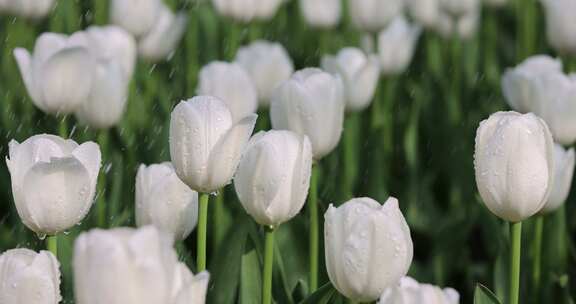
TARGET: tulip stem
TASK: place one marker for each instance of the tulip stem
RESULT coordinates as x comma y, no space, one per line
313,206
63,127
52,244
268,265
101,203
350,132
202,227
537,260
515,249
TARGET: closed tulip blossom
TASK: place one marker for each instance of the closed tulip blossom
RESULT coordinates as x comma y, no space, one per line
58,75
424,12
396,46
231,84
374,15
311,103
247,10
273,176
409,291
563,172
29,277
205,143
33,9
268,64
561,25
321,13
133,266
514,163
53,181
368,247
164,201
464,26
359,73
163,38
138,17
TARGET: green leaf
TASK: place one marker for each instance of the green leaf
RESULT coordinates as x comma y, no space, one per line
483,295
250,278
321,296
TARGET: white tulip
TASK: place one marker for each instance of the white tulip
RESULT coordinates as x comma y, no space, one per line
359,73
273,176
136,16
520,84
563,172
58,76
374,15
163,200
205,144
311,103
34,9
368,247
29,277
112,43
514,163
409,291
464,26
321,13
165,35
268,64
129,266
424,12
247,10
230,83
561,24
53,181
396,46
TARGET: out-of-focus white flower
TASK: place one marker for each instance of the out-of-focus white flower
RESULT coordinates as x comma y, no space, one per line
321,13
164,201
311,103
424,12
396,45
230,83
268,64
374,15
561,24
409,291
164,36
29,277
359,73
563,172
247,10
464,26
205,143
34,9
133,266
136,16
53,181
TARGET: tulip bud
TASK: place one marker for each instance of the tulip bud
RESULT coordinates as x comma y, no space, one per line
247,10
374,15
424,12
231,84
520,84
58,75
133,266
33,9
29,277
464,26
205,144
561,25
396,45
514,163
136,16
311,103
268,64
321,13
53,181
273,177
359,73
163,200
563,172
368,247
163,38
409,291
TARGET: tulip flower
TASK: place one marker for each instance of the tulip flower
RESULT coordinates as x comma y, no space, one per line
136,16
374,15
33,9
268,64
58,75
396,45
563,172
163,38
129,266
321,13
464,26
424,12
359,73
247,10
53,181
409,291
29,277
163,200
231,84
368,247
561,25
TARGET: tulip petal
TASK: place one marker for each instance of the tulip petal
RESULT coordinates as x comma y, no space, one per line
89,155
164,36
24,61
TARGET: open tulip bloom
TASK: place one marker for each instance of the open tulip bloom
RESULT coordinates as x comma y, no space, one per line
409,291
34,9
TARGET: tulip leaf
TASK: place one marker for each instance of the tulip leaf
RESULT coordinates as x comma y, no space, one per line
250,277
322,295
483,295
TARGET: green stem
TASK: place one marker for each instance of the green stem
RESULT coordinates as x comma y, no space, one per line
350,132
515,250
202,228
52,244
63,127
234,37
526,24
313,209
103,138
268,265
537,260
